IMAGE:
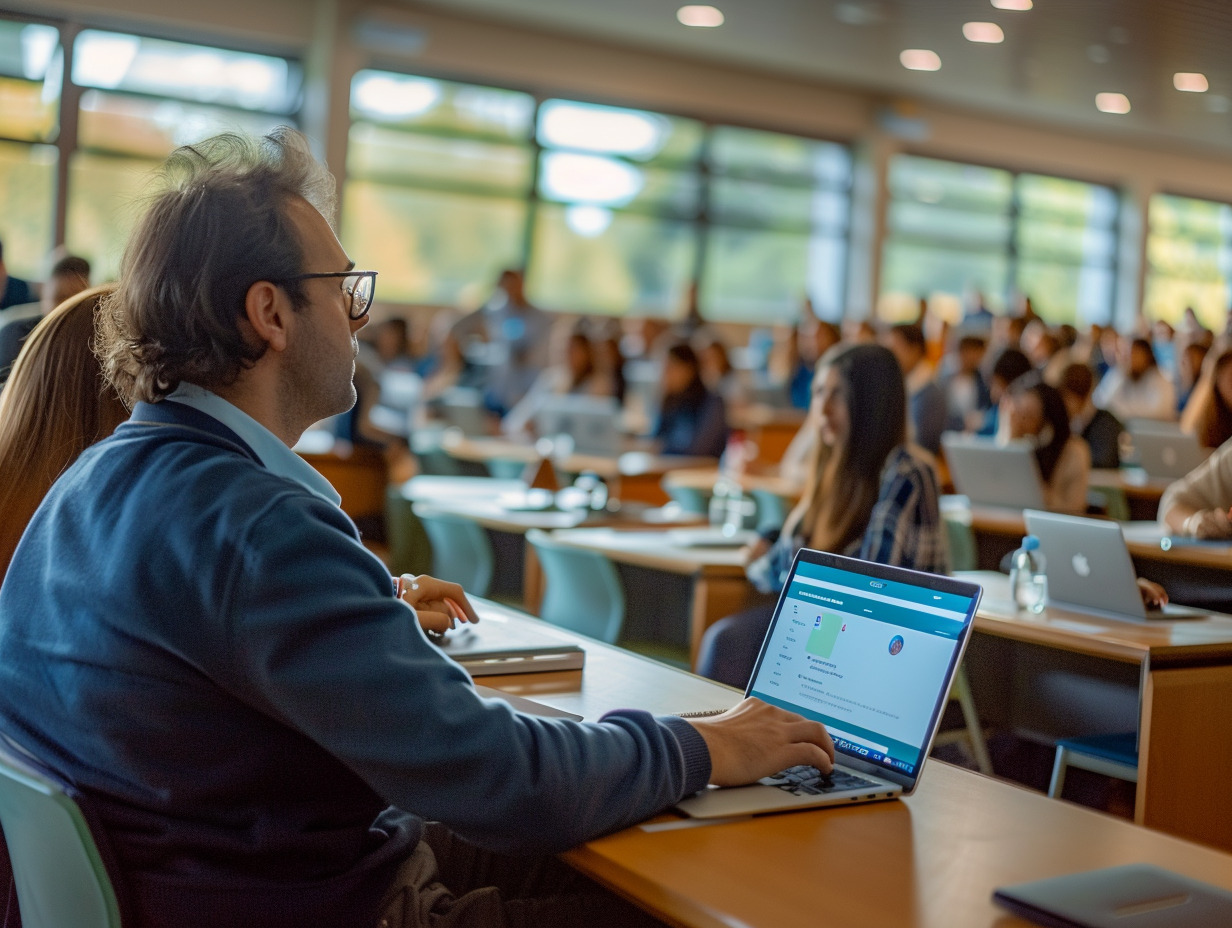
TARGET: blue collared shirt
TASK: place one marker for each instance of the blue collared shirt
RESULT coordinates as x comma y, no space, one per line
275,455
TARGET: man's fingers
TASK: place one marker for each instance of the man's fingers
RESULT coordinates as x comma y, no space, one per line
437,622
808,754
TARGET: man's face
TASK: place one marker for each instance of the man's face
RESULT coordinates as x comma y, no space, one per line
319,366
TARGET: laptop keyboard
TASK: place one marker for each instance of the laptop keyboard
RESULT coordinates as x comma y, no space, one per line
809,781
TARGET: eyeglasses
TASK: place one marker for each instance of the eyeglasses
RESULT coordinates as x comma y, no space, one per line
358,285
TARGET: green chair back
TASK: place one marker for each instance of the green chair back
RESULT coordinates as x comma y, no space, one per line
410,551
583,592
60,878
961,539
461,550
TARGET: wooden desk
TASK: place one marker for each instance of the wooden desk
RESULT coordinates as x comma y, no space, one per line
633,475
720,587
931,860
1183,674
1142,492
703,478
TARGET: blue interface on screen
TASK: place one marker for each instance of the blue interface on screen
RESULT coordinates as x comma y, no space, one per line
867,657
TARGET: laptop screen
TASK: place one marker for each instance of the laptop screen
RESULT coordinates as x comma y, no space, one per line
867,650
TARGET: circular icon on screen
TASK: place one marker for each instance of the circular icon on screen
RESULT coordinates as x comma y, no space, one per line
896,644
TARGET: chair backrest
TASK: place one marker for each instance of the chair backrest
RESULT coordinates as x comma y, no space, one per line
961,540
772,508
410,551
690,499
59,873
583,592
461,550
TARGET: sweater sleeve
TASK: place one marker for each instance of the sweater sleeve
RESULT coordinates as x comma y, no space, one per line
319,643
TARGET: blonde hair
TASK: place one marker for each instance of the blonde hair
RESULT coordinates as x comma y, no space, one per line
55,405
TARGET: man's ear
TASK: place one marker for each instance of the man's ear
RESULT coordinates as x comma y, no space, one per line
267,310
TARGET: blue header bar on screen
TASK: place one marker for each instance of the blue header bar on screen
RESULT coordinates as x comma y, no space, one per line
942,611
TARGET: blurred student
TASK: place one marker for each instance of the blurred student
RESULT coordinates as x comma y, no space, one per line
926,404
610,366
869,495
1189,368
1208,415
574,372
720,376
1008,367
13,290
1033,411
1100,429
1137,388
69,276
1198,504
692,420
967,397
55,405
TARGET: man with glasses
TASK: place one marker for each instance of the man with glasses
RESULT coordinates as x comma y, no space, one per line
193,637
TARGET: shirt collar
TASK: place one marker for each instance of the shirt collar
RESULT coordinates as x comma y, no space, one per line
275,455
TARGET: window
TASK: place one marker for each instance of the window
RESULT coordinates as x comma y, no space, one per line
778,211
955,228
29,117
621,191
146,97
612,210
1189,259
439,175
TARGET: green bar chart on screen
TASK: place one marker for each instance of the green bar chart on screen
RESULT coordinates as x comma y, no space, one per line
824,635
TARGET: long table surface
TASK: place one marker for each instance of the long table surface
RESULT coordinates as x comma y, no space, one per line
931,860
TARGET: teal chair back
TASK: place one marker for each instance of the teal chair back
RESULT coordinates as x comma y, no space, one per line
461,550
583,592
410,551
690,499
59,873
771,509
961,539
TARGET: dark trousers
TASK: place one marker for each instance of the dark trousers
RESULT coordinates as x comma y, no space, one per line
730,646
449,883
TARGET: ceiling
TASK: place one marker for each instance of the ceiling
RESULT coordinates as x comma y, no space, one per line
1054,60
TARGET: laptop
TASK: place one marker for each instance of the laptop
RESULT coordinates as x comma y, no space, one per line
462,408
1089,568
990,474
868,650
593,422
1163,450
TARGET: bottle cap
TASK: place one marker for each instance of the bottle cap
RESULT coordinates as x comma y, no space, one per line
1030,543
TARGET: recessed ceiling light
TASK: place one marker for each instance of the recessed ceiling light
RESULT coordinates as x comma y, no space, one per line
1012,4
1190,82
1112,103
988,33
706,17
920,59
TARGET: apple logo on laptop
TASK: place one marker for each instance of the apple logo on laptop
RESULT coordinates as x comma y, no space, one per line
1082,567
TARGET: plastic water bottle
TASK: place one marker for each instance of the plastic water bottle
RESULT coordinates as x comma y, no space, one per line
1028,579
727,499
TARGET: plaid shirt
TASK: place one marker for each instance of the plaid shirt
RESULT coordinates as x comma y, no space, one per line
904,529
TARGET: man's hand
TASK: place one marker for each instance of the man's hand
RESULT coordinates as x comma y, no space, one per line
755,739
1209,523
438,605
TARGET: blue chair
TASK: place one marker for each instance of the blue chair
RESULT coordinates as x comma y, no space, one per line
60,877
772,509
1110,755
689,499
461,550
583,592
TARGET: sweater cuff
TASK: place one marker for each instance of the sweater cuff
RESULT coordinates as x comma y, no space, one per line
693,751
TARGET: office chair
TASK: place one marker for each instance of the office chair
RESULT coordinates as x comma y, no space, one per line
59,873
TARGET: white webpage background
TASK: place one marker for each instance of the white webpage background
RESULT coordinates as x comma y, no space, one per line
891,694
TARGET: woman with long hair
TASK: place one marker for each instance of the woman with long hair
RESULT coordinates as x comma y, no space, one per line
54,406
692,420
1035,412
1208,414
869,495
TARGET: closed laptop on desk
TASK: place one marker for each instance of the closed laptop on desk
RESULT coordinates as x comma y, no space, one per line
868,650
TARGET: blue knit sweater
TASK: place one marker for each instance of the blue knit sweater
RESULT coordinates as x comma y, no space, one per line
208,654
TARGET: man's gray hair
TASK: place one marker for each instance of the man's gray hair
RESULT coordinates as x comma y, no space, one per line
216,225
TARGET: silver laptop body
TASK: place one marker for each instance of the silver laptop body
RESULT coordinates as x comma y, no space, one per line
593,422
989,474
1090,570
868,650
1163,450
